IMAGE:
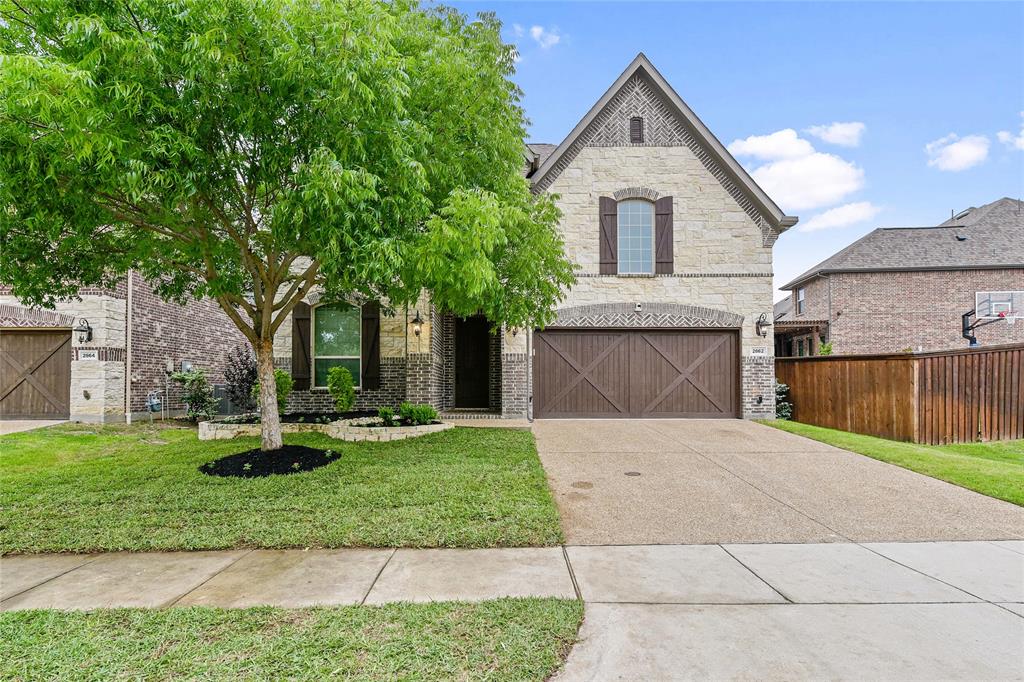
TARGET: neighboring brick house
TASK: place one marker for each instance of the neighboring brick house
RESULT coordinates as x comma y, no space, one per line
670,316
899,289
51,367
673,246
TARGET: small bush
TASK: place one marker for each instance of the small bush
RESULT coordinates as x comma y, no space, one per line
783,408
825,349
283,380
240,377
342,388
387,415
197,394
416,415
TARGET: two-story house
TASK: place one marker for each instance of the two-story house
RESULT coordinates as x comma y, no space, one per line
910,288
670,316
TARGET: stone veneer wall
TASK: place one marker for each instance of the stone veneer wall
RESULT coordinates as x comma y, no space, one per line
722,259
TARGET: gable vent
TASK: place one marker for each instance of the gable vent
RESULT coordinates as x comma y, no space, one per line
636,130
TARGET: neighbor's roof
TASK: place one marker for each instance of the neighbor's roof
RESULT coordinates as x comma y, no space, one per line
783,309
711,144
982,238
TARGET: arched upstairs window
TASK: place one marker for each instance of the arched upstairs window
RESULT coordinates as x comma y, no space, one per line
636,237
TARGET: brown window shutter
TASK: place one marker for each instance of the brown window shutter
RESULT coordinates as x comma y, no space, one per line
300,347
609,236
663,236
371,346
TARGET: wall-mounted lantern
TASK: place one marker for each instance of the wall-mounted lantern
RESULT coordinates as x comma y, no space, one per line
762,324
83,330
417,324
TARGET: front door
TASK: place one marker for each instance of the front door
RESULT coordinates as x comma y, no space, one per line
472,350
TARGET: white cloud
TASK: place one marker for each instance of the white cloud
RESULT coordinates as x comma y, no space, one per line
953,153
518,31
545,37
841,216
842,134
1013,141
783,144
796,175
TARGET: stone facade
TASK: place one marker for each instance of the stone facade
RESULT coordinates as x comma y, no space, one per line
889,312
721,260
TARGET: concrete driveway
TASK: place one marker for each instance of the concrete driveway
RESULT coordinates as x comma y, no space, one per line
627,482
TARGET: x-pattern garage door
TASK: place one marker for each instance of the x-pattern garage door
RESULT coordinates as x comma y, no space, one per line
635,373
35,374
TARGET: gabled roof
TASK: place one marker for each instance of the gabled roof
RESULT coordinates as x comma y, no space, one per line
983,238
782,310
714,155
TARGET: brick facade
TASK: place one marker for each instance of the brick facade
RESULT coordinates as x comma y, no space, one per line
887,312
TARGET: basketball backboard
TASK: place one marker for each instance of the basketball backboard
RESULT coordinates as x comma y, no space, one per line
994,305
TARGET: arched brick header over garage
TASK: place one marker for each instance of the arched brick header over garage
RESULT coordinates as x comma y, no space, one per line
651,315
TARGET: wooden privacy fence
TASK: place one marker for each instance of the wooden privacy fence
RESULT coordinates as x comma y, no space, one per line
956,396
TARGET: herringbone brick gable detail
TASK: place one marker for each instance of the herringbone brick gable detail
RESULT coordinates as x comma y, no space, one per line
610,128
652,315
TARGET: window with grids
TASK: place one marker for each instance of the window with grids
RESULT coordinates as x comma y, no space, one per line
336,341
636,237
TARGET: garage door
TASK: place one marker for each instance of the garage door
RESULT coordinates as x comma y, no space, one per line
35,374
634,373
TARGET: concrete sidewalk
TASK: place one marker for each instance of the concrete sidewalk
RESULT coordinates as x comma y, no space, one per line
829,573
837,610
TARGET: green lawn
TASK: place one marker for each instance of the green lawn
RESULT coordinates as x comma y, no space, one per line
993,469
506,639
79,488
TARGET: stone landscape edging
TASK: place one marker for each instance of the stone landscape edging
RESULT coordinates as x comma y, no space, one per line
345,429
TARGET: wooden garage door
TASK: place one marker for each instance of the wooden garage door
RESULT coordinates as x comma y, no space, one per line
35,374
634,373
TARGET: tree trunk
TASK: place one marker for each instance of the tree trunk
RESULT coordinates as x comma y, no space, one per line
270,422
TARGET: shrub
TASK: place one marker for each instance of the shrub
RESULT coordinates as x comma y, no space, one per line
341,387
197,394
387,415
240,377
825,349
283,380
783,408
416,415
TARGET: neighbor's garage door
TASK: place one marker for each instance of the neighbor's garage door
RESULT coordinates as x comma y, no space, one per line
619,373
35,374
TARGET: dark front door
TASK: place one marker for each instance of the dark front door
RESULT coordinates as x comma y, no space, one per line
472,348
636,373
35,374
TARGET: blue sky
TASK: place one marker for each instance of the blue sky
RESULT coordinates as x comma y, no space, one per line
931,95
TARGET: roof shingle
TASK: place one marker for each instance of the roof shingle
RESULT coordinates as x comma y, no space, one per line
988,236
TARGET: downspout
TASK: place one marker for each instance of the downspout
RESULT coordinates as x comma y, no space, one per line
128,355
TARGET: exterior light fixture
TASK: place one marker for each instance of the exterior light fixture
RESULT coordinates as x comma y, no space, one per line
762,324
84,330
417,324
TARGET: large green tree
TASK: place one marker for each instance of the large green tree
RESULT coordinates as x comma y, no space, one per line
250,150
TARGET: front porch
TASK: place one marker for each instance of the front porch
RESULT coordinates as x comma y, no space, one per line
799,338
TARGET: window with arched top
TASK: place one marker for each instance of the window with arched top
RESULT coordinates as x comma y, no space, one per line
636,237
337,332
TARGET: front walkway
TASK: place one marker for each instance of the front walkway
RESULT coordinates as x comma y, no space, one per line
836,610
686,481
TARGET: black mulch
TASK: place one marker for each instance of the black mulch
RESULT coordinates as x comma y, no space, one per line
290,459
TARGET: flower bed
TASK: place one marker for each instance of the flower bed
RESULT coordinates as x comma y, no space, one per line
360,429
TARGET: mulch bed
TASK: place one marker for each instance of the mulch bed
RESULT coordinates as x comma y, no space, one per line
290,459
